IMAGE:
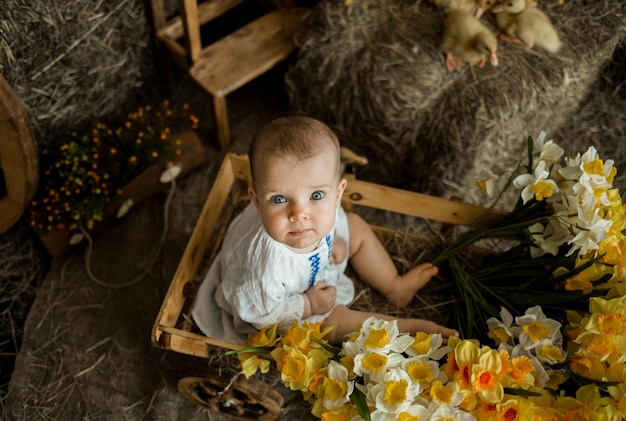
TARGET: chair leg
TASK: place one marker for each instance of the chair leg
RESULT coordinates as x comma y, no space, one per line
221,121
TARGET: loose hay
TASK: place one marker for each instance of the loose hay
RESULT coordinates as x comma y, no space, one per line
374,72
74,61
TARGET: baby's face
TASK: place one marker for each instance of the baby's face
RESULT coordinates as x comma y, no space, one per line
297,200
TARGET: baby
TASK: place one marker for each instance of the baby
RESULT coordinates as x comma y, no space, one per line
284,256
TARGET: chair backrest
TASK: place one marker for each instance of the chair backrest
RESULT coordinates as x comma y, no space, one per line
193,14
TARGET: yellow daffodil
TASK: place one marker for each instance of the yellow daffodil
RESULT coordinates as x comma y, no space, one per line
515,410
484,377
251,363
522,371
466,354
343,413
618,393
264,337
587,365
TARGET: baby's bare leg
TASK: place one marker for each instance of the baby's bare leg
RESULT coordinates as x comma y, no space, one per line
373,264
345,321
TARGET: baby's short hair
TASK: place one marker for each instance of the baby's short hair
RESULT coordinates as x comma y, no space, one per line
294,135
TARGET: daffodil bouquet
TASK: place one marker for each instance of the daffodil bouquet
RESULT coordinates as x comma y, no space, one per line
382,374
562,243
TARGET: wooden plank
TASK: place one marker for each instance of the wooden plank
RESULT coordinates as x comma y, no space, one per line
191,28
175,298
248,52
157,11
191,343
241,166
206,12
176,51
414,204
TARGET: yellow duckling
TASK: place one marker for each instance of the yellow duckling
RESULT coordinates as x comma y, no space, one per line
485,5
469,5
466,39
523,23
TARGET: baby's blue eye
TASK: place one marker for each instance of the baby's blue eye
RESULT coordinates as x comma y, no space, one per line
279,199
317,195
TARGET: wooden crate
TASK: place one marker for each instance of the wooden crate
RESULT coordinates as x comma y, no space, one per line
173,329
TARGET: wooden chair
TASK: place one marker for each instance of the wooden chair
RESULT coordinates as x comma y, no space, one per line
234,60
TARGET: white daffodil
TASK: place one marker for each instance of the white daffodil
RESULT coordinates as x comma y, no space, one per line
572,169
487,182
591,233
412,412
549,353
394,394
546,151
382,336
547,239
503,329
427,344
422,372
535,327
441,412
373,363
537,185
595,175
337,387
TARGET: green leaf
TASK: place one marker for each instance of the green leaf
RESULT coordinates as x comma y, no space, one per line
259,349
332,349
586,380
361,405
529,146
520,392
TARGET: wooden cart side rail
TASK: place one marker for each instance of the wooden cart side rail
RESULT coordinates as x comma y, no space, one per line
414,204
175,297
191,343
241,166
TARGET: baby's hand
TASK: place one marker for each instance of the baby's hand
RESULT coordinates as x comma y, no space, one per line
340,250
322,297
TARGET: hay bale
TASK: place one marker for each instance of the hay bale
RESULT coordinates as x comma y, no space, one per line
73,62
374,72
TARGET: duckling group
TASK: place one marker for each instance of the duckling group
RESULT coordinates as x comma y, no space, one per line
468,40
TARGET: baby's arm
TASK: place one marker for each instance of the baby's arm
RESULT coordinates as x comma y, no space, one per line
319,299
340,251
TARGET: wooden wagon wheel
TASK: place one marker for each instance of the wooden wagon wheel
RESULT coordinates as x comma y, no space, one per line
245,399
19,160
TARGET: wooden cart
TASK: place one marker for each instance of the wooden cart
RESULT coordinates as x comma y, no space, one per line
173,329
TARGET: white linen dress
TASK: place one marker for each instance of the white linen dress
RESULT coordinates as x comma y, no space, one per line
256,281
